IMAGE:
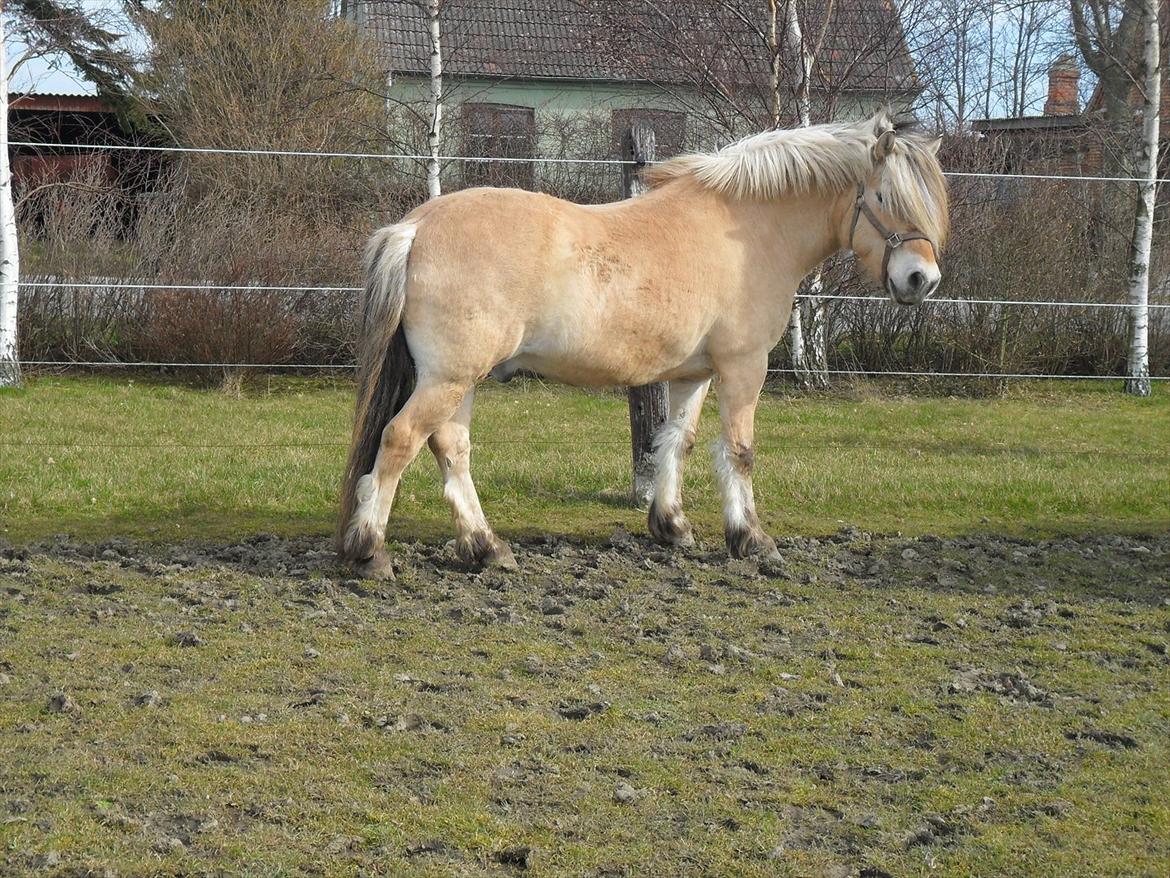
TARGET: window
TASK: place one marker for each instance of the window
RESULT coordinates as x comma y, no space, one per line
670,130
499,131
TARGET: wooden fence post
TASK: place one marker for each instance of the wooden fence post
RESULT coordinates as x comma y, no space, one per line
648,403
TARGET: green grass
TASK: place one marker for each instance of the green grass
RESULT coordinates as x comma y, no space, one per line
94,457
265,755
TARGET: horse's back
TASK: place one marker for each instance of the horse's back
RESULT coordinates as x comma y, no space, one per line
582,293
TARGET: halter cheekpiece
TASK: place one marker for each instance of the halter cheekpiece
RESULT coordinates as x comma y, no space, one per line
893,240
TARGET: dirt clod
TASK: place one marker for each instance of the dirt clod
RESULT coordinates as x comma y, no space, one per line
61,702
1109,739
1010,685
186,639
149,699
725,731
516,857
582,710
624,794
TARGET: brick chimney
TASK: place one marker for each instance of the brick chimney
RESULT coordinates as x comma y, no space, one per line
1064,80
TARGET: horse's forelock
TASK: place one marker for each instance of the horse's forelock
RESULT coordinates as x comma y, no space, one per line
916,187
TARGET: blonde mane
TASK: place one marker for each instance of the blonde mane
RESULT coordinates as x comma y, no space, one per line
826,158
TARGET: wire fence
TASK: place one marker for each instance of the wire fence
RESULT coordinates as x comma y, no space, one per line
527,440
209,287
337,288
541,160
341,367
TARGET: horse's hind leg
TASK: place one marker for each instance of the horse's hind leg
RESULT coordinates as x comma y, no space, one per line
672,444
474,541
429,407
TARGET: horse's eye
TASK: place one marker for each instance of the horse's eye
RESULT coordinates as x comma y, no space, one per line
880,200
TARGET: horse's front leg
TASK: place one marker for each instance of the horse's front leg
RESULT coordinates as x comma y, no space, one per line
672,445
740,382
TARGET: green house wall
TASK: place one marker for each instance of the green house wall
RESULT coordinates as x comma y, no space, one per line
574,118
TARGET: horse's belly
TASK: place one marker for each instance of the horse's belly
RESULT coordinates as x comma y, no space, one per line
613,333
600,368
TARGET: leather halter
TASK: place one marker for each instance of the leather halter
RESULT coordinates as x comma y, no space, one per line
893,240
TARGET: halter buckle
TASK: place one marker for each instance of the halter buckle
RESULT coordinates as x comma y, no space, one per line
894,241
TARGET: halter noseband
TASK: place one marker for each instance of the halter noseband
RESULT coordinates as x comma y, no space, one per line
893,240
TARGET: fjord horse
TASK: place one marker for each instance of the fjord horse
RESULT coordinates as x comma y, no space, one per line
691,281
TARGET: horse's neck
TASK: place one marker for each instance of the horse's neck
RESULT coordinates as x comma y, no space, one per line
799,232
803,228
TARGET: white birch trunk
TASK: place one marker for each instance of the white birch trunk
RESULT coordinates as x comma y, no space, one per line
816,356
434,136
807,338
1138,367
802,61
9,254
774,48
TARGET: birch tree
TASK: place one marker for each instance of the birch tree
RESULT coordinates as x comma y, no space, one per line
792,31
1119,41
93,45
435,134
1138,372
808,346
9,252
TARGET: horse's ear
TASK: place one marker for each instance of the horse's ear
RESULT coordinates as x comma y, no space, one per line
934,145
884,146
881,122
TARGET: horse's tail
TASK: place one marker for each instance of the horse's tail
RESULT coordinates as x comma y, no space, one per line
385,367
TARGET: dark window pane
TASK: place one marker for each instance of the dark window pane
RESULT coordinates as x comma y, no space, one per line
499,131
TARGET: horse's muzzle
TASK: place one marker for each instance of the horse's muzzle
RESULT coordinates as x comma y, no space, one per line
916,290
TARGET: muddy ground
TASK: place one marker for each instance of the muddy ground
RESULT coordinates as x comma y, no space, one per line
871,706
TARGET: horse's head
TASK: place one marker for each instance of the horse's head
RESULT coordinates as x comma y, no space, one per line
898,222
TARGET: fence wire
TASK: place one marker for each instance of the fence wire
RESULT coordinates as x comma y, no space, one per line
857,373
197,287
1001,451
261,288
548,160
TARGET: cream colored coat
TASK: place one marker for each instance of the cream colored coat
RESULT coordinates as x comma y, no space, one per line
693,280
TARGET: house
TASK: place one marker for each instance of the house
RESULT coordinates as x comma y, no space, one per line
1063,140
68,119
565,78
1066,138
59,118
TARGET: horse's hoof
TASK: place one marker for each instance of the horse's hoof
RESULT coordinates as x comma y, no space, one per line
484,549
670,528
751,542
501,557
377,566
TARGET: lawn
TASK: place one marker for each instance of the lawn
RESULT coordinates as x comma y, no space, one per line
960,668
96,457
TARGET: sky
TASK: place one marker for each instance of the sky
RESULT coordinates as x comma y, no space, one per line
54,74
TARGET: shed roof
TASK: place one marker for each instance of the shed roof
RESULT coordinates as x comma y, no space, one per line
635,40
